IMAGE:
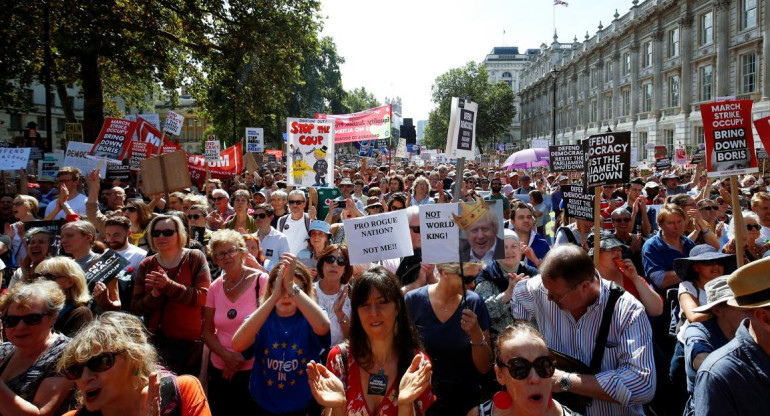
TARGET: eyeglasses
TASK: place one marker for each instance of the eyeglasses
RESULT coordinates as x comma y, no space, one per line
753,227
519,368
558,302
332,259
226,254
296,202
32,319
46,276
164,233
625,219
260,216
194,216
97,364
129,209
415,229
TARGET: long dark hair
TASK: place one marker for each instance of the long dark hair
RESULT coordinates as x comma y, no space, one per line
347,274
407,341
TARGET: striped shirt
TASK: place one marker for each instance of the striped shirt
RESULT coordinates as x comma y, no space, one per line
627,370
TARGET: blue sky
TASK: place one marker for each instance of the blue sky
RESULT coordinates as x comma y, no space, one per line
398,47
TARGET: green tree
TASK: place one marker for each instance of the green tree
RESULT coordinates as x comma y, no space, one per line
495,100
359,99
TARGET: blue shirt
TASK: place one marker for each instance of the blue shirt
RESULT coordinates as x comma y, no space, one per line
700,337
282,349
658,257
735,379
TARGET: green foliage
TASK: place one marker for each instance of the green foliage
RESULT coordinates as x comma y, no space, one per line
358,100
495,100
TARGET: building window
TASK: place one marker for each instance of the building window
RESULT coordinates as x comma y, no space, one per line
626,102
749,14
673,43
700,135
594,78
15,122
707,28
509,83
673,91
608,106
59,125
706,83
642,144
748,73
668,141
647,97
594,111
647,57
626,63
506,74
608,72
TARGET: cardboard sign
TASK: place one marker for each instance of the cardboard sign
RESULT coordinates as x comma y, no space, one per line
251,162
663,163
255,139
310,159
105,268
228,164
729,137
114,139
439,234
378,237
166,173
212,148
567,158
608,158
48,167
73,132
761,153
577,203
371,124
77,157
14,158
461,136
173,123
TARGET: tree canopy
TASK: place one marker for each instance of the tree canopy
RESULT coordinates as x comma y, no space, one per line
495,100
359,99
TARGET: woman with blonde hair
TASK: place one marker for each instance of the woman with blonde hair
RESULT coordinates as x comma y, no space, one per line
72,281
116,371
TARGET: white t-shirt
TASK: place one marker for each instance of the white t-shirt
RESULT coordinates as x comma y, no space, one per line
134,255
326,302
295,231
78,204
700,294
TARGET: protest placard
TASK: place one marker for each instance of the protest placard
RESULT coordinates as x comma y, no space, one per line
73,132
763,130
482,239
255,139
165,173
228,164
212,148
729,137
152,118
439,235
370,124
378,237
662,163
401,149
310,159
49,166
14,158
138,152
567,158
77,157
461,136
173,123
608,158
680,155
114,139
577,202
105,268
198,234
118,171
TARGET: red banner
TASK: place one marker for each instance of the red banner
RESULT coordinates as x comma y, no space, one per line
230,163
147,133
371,124
763,130
729,137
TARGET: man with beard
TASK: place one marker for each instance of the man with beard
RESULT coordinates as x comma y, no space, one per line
497,187
116,231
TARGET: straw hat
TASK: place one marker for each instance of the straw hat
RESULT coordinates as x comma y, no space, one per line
751,285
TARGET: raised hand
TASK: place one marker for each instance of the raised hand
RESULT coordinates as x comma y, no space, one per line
327,389
414,381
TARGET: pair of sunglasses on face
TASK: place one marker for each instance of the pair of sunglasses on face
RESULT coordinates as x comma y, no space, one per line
334,259
97,364
164,233
519,368
32,319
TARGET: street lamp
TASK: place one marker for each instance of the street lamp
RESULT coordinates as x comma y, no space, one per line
554,76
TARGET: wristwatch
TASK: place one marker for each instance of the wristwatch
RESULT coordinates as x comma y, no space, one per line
295,290
564,382
483,342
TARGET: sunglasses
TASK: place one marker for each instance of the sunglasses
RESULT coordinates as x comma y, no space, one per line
519,368
334,259
295,202
753,227
708,208
97,364
260,216
415,229
10,321
46,276
194,216
219,198
129,209
622,220
164,233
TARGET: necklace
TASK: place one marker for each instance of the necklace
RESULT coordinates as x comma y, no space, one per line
238,283
378,383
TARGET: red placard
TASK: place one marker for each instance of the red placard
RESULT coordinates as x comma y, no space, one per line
729,137
114,139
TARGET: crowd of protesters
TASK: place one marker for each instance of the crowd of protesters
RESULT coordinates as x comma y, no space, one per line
240,298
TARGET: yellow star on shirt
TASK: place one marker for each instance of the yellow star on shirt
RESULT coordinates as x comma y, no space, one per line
283,345
270,382
301,372
304,361
299,351
267,351
294,346
293,382
281,386
275,346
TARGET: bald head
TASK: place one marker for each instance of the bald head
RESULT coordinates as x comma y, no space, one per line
568,262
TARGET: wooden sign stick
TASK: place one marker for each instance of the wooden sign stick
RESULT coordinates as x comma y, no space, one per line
738,218
598,222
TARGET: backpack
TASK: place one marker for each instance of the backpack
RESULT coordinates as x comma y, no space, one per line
570,235
282,222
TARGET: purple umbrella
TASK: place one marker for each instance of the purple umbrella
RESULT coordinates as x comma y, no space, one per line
527,158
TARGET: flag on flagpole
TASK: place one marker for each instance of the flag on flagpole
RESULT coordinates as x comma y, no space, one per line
560,3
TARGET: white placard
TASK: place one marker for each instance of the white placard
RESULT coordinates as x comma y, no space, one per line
49,166
401,149
378,237
255,139
212,150
173,123
77,157
439,234
310,157
152,118
14,158
461,135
